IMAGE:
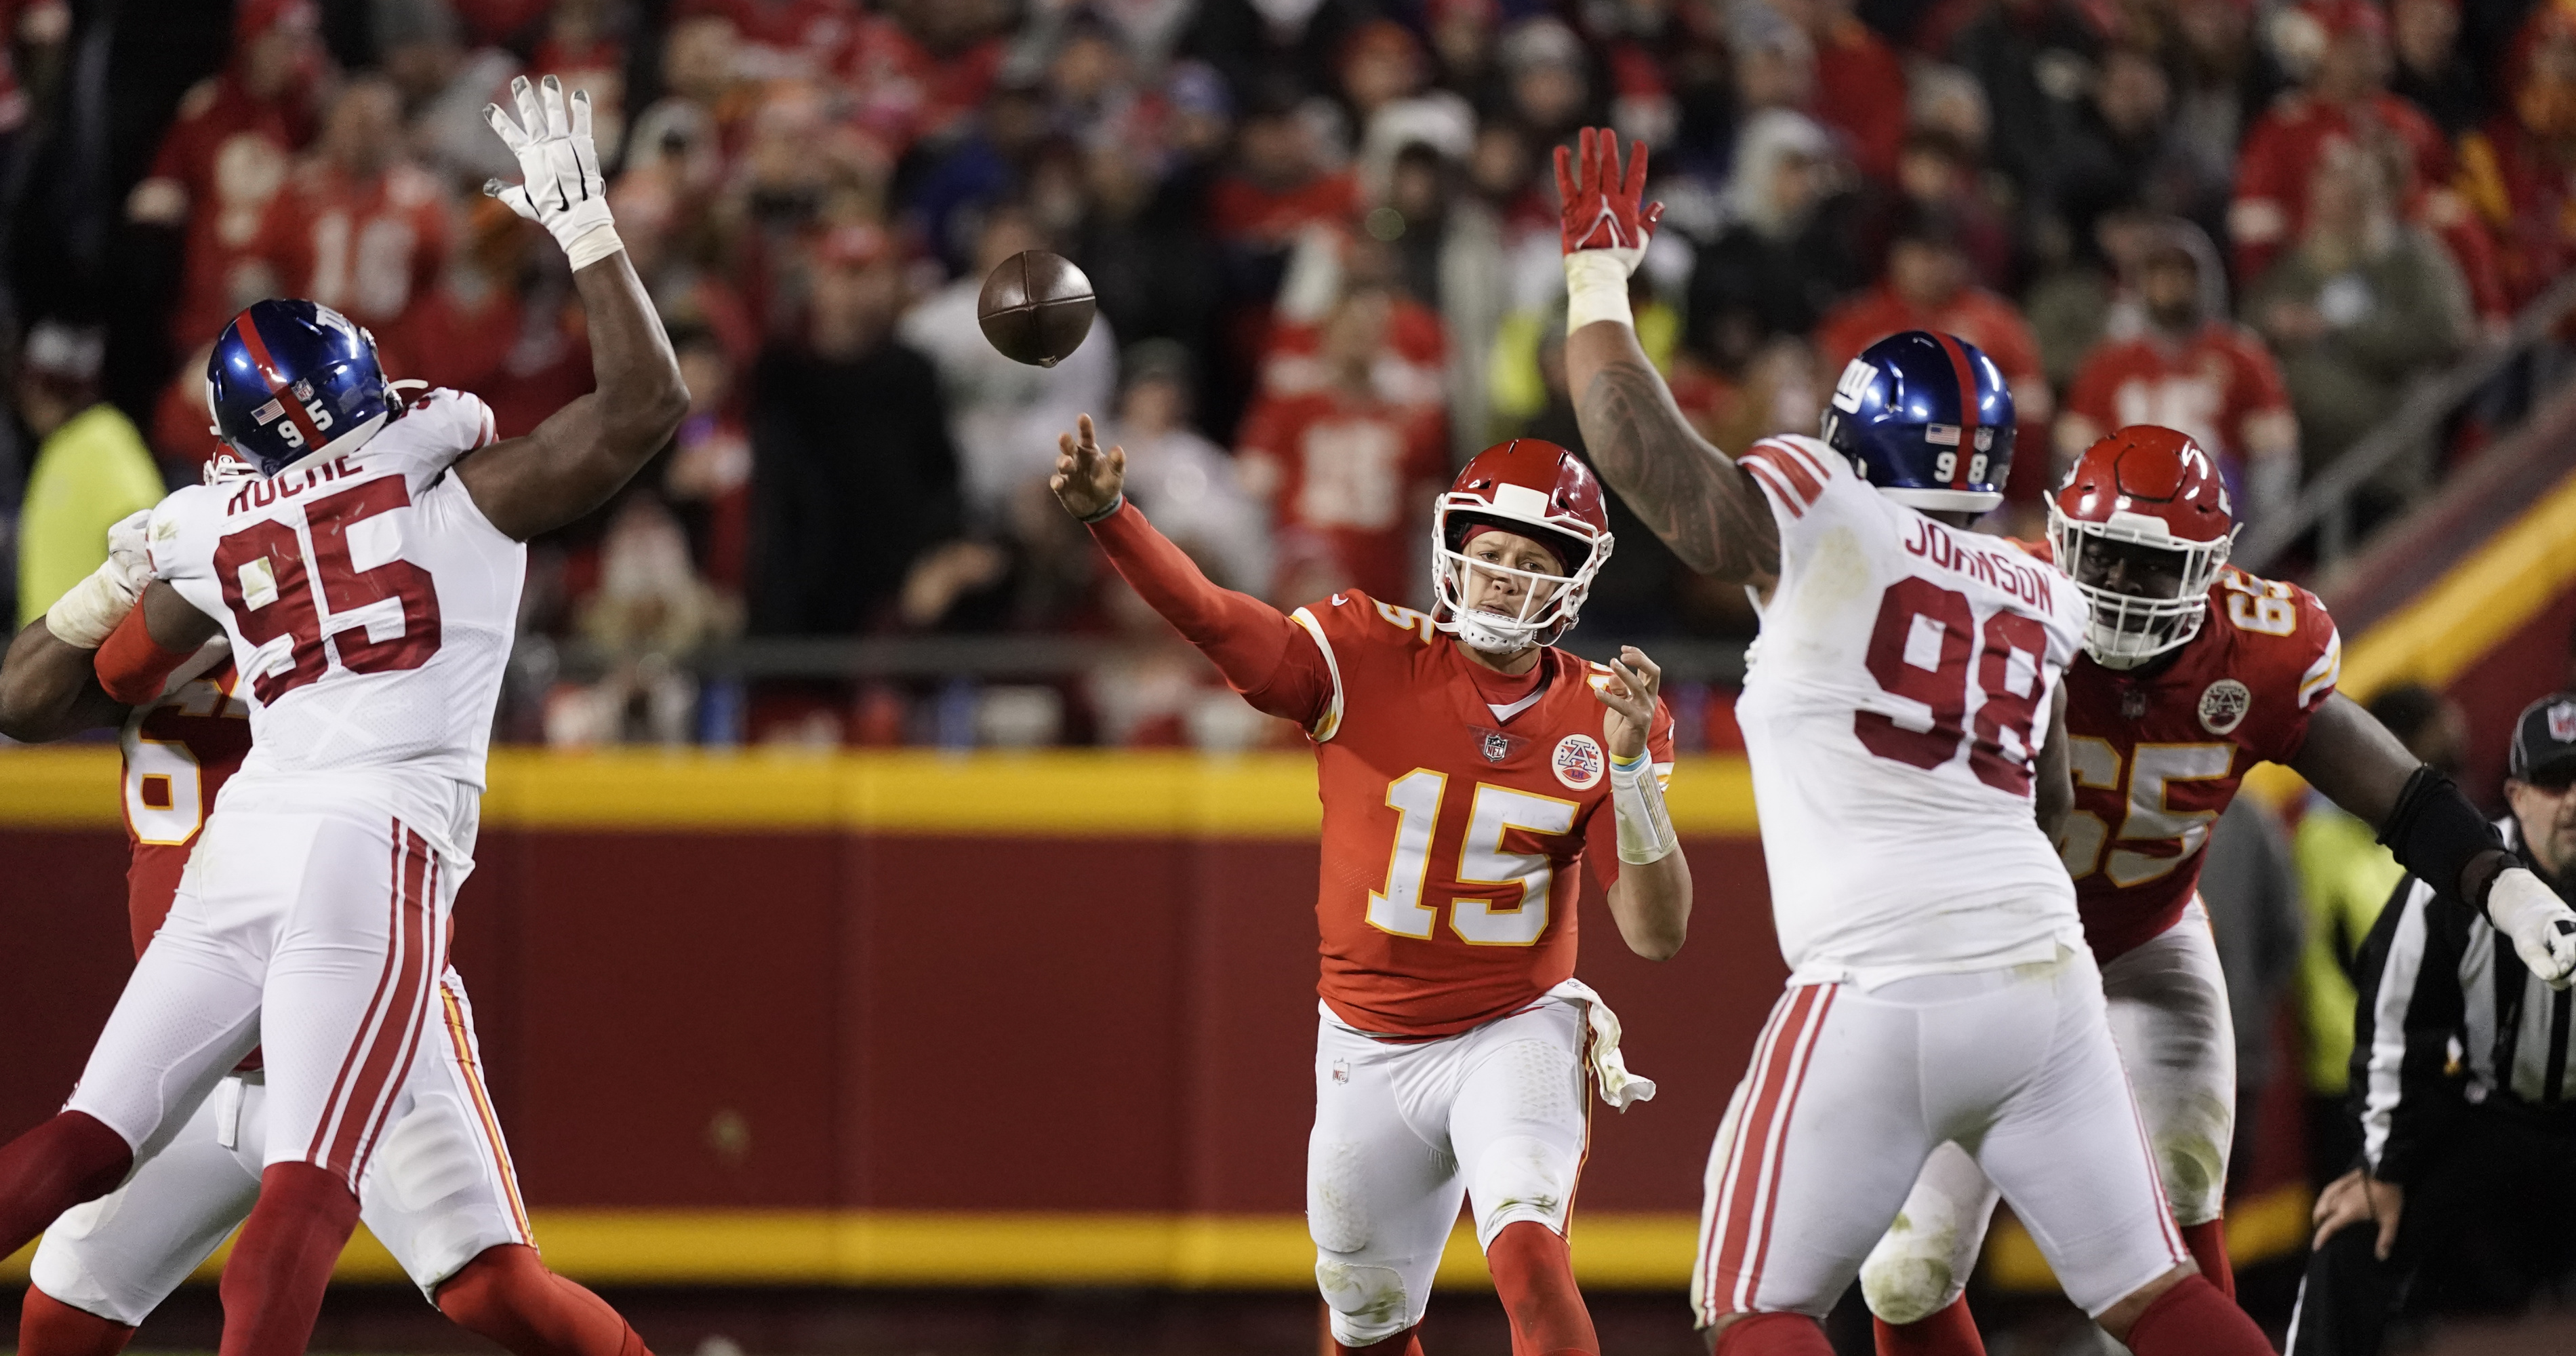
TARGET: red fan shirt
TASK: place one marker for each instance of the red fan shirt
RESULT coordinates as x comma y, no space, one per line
2220,386
1346,473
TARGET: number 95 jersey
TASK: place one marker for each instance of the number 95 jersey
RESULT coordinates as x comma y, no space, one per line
1893,713
369,602
1452,833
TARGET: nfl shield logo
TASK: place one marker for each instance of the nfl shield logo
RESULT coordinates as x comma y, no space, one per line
2562,721
1498,746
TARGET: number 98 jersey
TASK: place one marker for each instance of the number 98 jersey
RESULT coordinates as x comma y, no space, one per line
1452,834
2158,753
369,602
1893,713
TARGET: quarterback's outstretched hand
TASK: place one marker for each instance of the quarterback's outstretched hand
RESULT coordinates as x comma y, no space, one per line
564,190
2542,927
1629,692
1605,225
1089,483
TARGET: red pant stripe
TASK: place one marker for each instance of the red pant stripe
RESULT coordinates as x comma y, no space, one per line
1732,1218
400,868
1777,1156
423,970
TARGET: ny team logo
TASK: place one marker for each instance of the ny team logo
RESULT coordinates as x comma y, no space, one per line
2223,704
1579,761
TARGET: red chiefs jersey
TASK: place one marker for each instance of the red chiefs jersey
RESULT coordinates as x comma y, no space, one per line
1451,836
2211,386
1346,474
2281,150
367,248
2158,753
179,752
221,164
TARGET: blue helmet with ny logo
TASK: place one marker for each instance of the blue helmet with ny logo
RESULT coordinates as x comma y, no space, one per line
1927,419
290,378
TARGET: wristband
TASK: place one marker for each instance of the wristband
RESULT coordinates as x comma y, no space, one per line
591,246
1116,503
1637,802
132,666
1596,288
89,610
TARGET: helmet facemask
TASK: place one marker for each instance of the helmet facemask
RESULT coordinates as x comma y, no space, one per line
2147,589
1535,605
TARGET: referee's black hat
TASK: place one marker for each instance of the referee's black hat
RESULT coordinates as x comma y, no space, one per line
2544,740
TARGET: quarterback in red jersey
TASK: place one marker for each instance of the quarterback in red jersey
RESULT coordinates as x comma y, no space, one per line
1465,766
2193,672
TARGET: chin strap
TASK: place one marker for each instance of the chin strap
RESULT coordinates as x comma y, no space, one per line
1637,797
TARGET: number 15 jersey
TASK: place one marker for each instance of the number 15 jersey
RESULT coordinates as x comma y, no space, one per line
1893,714
369,602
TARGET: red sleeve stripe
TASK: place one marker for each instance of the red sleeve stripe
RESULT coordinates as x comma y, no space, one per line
1770,479
1814,462
1772,455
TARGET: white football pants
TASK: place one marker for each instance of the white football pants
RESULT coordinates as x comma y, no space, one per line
1850,1091
2169,1016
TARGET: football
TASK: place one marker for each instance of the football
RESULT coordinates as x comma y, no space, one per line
1036,308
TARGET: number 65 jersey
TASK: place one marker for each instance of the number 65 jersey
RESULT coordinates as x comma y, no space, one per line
1893,713
369,602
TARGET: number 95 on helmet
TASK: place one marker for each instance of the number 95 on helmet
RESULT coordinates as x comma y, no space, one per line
1927,419
290,378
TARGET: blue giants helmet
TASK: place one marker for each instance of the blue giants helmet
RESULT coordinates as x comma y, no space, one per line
1927,419
290,378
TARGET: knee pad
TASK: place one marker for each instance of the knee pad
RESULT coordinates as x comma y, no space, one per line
2191,1157
1337,1199
1368,1302
1521,1177
1917,1269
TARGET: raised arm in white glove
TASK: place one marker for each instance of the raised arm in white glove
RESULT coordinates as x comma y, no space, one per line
564,190
2543,928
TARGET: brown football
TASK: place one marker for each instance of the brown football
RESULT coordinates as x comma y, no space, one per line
1036,308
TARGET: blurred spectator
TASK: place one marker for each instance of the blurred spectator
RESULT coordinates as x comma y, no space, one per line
225,156
1003,415
1347,472
2223,80
1279,185
2346,877
2193,369
2362,305
650,609
2516,166
1549,79
2342,99
582,49
90,468
1785,251
2251,888
445,86
2431,73
1860,83
2085,298
708,476
1187,484
358,227
183,433
920,68
2122,150
2036,61
1927,286
1938,168
853,475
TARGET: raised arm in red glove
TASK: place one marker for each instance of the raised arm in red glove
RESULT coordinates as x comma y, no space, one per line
1263,655
1606,224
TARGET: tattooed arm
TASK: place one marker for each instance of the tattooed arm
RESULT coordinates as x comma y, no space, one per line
1703,505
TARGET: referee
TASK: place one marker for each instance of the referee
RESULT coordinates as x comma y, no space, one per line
2464,1198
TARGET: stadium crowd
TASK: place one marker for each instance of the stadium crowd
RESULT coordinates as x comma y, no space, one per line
1323,236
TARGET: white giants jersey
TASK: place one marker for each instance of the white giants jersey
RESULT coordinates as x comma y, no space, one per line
1893,713
369,602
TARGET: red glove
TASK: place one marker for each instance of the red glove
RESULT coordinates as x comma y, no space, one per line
1602,211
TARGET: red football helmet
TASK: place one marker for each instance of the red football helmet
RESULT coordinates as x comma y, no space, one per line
2142,526
1537,490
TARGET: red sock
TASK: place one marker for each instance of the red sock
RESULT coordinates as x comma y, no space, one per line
1773,1335
2193,1319
1951,1332
67,1160
49,1327
507,1294
274,1280
1534,1273
1405,1343
2208,1244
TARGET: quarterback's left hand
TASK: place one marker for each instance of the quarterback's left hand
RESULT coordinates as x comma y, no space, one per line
2541,926
1629,692
564,190
1604,212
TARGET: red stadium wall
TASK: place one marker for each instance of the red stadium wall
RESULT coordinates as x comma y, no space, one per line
896,1010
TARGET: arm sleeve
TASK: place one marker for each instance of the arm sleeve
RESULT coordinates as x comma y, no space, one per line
1263,654
2409,1007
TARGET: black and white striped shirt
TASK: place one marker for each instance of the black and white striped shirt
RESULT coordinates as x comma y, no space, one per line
2449,1018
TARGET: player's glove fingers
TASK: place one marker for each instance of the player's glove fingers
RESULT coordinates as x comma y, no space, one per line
532,114
585,147
508,129
513,196
1647,220
1633,189
1565,189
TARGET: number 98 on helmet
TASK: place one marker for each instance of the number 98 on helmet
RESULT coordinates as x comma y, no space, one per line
1927,419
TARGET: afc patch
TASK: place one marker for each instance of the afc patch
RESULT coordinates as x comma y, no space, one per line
2223,705
1578,761
2562,721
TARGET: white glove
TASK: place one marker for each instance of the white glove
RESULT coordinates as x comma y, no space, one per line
90,609
564,190
2543,928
